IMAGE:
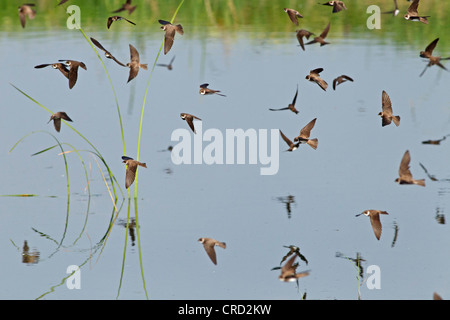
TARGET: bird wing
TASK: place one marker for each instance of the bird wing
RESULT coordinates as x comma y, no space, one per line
324,33
209,248
429,49
169,36
404,171
130,173
134,54
413,7
386,104
286,139
306,131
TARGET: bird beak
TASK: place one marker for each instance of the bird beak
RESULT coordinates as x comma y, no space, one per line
358,215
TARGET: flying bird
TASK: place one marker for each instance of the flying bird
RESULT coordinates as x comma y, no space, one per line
25,11
189,119
289,271
291,106
58,65
386,111
432,60
315,77
126,6
134,64
293,15
209,245
340,80
321,38
73,70
169,33
405,176
374,216
204,90
131,170
56,117
117,18
303,33
107,53
168,66
337,5
413,15
303,137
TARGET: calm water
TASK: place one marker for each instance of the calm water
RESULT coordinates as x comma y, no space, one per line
352,170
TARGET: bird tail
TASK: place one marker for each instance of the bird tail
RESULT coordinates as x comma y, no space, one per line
396,120
143,164
420,182
423,20
144,66
222,244
313,143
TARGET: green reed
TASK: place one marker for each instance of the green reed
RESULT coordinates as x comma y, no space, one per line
145,99
95,151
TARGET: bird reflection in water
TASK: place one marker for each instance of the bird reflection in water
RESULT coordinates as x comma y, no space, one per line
357,261
131,228
394,241
288,270
29,257
288,200
435,142
440,217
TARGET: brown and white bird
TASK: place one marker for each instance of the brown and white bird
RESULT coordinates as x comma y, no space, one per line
413,15
305,132
25,11
189,118
126,6
117,18
204,90
386,113
291,106
289,271
432,60
56,117
337,5
169,33
303,33
134,64
374,216
337,81
209,244
405,176
131,170
73,70
315,77
321,38
107,53
293,15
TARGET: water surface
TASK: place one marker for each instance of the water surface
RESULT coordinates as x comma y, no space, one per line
257,63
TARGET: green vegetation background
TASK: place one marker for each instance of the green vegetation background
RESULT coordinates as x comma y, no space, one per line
232,16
